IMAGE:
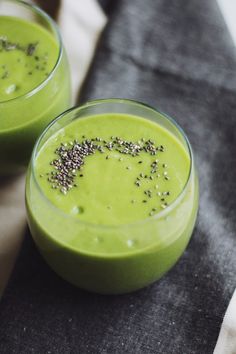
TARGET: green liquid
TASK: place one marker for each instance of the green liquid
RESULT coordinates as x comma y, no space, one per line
95,236
34,88
106,191
28,54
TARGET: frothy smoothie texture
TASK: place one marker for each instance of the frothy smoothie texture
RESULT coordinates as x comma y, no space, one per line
34,85
111,198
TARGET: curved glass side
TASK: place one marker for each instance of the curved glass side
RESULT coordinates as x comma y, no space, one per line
39,106
144,251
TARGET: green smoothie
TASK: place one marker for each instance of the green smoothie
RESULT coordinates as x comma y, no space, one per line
113,216
28,54
34,87
114,188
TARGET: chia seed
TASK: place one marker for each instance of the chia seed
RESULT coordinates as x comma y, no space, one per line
71,157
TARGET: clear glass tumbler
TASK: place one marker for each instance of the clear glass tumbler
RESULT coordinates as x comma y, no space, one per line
39,106
159,239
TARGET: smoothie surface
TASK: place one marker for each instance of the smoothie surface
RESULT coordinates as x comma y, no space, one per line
28,53
113,187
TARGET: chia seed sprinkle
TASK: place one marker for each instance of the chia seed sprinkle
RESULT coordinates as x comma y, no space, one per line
71,157
163,206
148,193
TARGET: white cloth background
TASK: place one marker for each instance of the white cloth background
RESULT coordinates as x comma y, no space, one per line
226,343
81,23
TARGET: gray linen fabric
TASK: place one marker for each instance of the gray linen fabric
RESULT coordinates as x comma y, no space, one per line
175,55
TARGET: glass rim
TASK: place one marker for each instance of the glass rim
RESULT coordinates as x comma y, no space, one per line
43,14
163,213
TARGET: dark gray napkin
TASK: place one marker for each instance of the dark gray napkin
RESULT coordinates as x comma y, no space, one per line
178,56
